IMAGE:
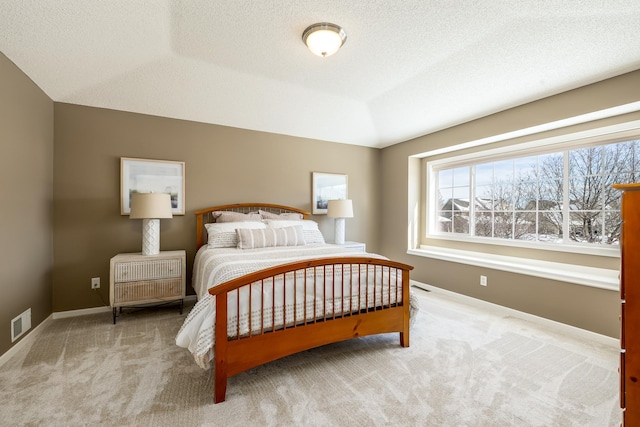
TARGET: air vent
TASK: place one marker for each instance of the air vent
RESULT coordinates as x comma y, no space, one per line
20,325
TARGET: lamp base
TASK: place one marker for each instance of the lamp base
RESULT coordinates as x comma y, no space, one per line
150,236
338,232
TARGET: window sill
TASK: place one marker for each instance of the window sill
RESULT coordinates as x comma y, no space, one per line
611,251
589,276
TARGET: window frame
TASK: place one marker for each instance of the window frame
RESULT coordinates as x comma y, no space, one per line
562,143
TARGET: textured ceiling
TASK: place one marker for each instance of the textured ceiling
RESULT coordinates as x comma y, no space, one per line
408,68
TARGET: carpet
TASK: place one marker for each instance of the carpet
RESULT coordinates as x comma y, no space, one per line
466,366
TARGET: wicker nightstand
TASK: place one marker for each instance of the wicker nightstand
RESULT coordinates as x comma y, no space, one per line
136,279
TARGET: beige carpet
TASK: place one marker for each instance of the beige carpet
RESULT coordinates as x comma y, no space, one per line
465,367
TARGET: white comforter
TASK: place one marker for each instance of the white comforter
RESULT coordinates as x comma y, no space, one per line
215,266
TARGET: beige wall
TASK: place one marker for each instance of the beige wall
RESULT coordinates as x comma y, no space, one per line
223,165
585,307
26,171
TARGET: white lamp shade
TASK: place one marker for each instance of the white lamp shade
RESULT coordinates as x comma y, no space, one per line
150,205
340,209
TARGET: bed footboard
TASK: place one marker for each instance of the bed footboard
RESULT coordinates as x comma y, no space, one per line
293,307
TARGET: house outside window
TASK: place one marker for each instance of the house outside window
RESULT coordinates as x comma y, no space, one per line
560,196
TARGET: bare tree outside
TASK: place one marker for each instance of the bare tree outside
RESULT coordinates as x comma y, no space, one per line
524,198
595,205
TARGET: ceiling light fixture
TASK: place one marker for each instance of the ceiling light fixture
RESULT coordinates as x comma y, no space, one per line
324,39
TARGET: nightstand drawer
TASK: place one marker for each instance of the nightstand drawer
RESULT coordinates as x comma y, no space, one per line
147,290
146,270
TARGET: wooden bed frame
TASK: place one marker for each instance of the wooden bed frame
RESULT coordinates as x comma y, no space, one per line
233,355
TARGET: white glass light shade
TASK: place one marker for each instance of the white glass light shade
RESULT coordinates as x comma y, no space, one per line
340,209
150,207
324,39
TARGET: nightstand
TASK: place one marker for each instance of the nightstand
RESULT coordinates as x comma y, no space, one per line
357,245
136,279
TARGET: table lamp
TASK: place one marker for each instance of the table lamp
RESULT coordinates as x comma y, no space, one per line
339,209
150,207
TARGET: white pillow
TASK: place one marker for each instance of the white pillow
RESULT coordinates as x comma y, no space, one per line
309,228
269,237
223,234
307,224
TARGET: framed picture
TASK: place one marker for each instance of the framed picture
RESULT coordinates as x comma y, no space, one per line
325,187
151,176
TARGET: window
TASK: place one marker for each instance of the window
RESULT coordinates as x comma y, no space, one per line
559,196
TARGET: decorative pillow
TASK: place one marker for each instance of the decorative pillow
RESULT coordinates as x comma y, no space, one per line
229,216
223,234
313,236
284,215
309,228
265,238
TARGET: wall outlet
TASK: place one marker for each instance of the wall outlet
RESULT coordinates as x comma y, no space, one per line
483,280
95,282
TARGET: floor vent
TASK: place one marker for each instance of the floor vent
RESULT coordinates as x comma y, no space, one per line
20,325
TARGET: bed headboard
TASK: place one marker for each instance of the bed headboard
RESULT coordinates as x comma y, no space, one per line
205,216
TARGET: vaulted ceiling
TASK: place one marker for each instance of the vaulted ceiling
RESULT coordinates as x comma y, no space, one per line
408,67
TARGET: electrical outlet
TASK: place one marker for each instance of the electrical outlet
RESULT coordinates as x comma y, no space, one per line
95,282
483,280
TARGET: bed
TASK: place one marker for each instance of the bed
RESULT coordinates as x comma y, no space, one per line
269,286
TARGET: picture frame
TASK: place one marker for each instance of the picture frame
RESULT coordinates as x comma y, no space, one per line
151,176
325,187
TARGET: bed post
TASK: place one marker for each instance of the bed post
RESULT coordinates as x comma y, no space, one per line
220,350
406,300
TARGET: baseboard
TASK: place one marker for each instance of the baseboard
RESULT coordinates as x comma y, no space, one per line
96,310
27,339
590,335
80,312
